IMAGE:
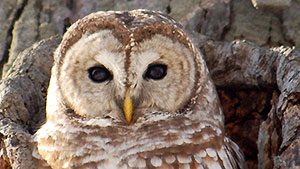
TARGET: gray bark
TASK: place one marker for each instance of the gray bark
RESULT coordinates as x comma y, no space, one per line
22,101
257,80
239,65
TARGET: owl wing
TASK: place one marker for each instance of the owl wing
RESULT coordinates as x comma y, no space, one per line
39,161
234,154
191,157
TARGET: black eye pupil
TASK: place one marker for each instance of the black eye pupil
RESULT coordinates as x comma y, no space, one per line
99,74
156,71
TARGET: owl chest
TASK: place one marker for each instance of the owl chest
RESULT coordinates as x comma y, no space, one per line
88,150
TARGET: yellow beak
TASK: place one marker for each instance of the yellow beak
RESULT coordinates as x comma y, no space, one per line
128,107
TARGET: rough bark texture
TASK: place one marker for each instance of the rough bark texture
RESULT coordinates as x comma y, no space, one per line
259,90
258,81
22,101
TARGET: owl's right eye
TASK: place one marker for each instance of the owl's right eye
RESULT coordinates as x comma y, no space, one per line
99,74
156,71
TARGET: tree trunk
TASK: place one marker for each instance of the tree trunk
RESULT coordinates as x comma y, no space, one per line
257,79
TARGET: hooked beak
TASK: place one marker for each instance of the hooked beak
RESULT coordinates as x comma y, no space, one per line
128,107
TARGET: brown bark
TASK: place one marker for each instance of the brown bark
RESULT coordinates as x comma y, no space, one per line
257,81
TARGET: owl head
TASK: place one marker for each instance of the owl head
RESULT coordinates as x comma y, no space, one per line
131,66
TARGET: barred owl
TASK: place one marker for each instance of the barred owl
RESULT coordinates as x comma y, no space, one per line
129,90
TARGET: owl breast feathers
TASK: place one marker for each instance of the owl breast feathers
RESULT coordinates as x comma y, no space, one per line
129,90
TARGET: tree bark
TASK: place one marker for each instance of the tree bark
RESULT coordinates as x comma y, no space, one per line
257,79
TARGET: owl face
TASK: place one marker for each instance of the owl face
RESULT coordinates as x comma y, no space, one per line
102,77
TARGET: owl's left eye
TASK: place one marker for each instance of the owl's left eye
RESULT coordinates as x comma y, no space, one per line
99,74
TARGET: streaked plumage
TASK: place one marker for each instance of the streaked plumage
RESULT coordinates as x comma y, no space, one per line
133,119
